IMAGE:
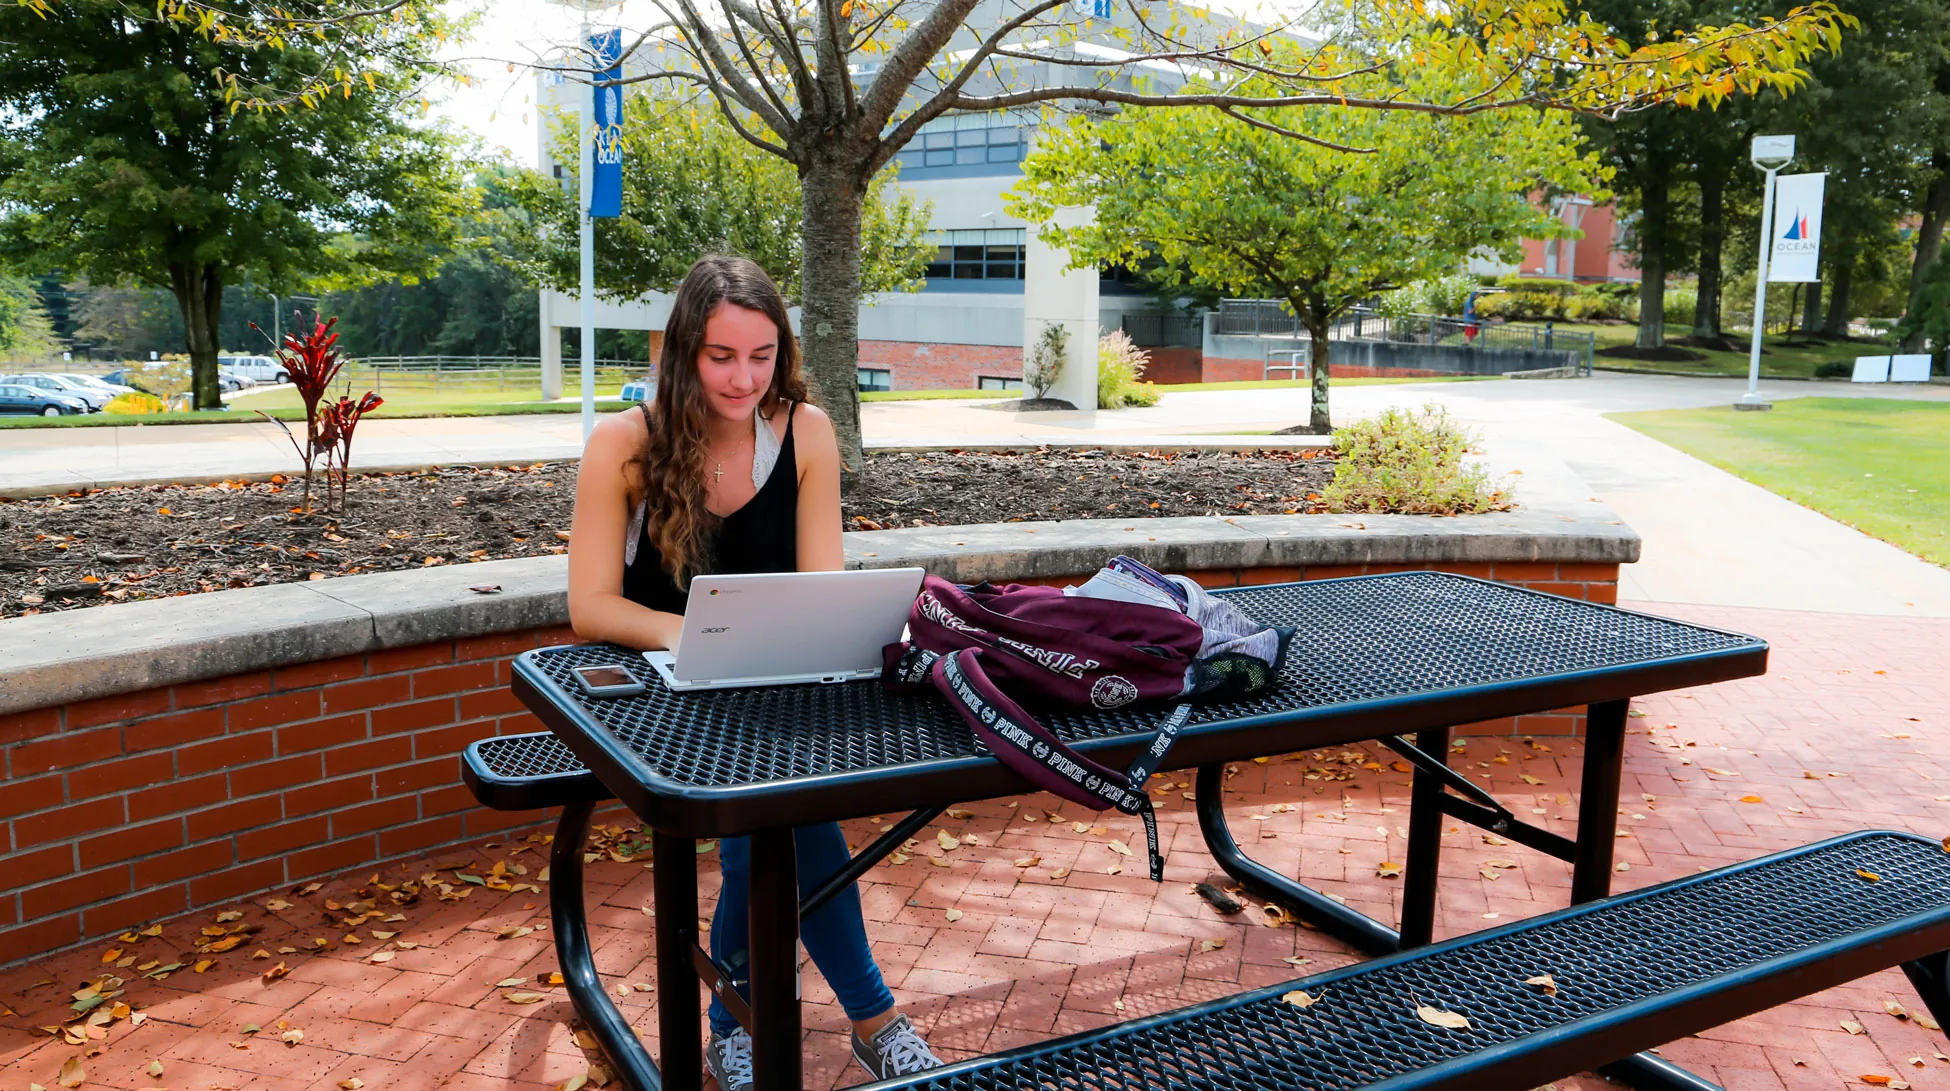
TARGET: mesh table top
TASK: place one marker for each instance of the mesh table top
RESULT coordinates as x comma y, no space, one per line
1358,642
1363,1027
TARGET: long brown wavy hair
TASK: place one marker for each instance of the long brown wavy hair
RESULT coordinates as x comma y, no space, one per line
671,467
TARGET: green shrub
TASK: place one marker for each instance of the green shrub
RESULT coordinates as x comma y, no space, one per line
1835,369
1437,295
1682,304
1120,373
1412,462
1517,282
1523,305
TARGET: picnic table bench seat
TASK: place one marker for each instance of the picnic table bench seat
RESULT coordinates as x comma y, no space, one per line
528,772
1630,972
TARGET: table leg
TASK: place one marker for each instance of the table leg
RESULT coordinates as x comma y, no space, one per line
774,948
1425,820
1604,765
571,925
674,893
1302,901
1604,762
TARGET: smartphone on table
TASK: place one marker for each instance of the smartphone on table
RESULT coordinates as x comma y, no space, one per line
607,680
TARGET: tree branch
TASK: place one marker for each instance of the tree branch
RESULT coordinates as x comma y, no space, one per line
1272,128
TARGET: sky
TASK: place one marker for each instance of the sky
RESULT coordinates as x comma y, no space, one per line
499,107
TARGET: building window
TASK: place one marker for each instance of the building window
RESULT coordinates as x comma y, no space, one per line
983,254
997,382
965,142
874,378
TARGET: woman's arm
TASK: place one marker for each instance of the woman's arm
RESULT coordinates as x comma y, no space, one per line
819,491
597,608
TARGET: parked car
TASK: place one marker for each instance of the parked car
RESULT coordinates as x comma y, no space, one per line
229,380
93,398
263,369
17,398
639,390
113,389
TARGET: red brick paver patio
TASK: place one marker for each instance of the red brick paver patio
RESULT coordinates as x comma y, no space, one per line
1847,732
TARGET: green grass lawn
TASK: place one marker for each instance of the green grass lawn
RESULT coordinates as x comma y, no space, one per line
1879,465
1778,358
401,401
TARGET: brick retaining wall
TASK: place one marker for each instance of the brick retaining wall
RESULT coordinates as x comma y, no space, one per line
126,809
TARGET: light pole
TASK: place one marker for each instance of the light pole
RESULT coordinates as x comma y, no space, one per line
1770,154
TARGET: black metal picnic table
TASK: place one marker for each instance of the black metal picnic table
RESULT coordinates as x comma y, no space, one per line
1373,658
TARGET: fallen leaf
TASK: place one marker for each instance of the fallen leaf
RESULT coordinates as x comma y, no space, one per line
940,861
381,956
72,1073
953,915
958,813
292,1037
276,972
1853,1027
948,841
515,931
1895,1009
510,982
1875,1080
573,1083
1388,870
554,977
1212,944
352,1083
229,915
1623,865
526,998
487,589
1751,799
1720,772
1924,1021
1542,983
1300,998
1503,864
155,1068
1060,873
1528,779
1028,861
1120,848
203,964
1869,875
1439,1018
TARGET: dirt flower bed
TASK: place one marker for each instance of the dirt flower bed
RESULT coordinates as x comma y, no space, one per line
123,544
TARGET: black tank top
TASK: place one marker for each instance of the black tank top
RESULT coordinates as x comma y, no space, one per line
761,536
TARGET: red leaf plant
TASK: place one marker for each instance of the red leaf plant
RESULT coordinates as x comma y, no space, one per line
337,421
312,360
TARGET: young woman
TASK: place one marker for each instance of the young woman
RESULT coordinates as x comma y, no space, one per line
728,470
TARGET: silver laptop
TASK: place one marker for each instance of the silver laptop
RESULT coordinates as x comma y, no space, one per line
777,628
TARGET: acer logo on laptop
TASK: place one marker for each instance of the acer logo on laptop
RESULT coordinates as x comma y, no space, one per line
719,629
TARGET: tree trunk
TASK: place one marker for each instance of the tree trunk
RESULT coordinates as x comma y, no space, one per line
1837,324
1654,214
199,294
1319,421
1811,307
1712,239
831,195
1929,237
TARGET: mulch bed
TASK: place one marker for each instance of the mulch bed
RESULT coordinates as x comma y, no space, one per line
123,544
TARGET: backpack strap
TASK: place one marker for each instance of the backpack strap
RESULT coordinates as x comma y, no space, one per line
1035,752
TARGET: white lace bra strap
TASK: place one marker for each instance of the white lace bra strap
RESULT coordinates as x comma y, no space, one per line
765,450
636,533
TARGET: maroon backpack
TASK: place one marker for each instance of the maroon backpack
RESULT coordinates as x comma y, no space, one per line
990,649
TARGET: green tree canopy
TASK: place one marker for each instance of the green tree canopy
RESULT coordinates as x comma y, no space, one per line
1229,204
127,154
25,329
692,186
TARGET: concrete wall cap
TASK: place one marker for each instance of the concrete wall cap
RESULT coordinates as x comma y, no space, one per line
56,658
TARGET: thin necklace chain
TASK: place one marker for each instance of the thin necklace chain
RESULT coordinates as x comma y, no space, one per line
717,473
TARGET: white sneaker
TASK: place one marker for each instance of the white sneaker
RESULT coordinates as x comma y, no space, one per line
896,1050
730,1060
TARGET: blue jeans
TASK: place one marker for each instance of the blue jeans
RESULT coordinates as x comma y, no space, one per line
835,936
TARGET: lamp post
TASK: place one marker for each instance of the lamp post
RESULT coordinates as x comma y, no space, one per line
1770,154
586,220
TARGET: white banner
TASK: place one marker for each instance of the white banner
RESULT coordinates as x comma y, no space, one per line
1797,229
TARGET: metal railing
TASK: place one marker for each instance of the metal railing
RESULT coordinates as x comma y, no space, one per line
460,373
1269,318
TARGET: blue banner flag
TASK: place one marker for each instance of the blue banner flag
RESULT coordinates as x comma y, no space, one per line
606,128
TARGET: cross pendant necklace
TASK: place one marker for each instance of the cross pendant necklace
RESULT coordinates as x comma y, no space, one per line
719,472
